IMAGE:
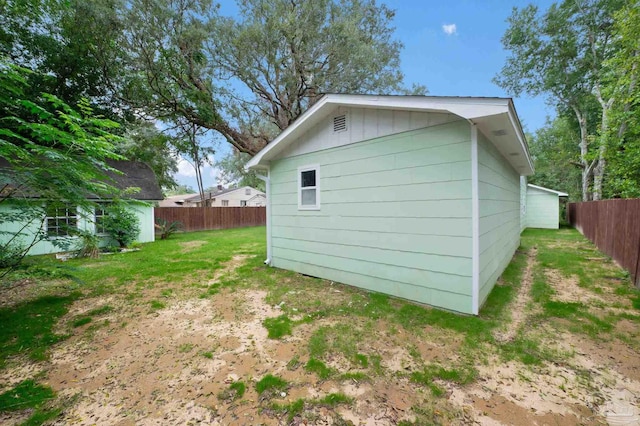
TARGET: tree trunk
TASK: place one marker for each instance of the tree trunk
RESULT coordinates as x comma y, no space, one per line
584,149
598,172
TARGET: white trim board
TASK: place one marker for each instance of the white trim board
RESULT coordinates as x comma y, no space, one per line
551,191
475,224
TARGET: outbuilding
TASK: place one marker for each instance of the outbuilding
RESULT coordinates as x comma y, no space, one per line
417,197
543,207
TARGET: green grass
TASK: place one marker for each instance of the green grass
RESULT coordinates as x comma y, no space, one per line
278,326
155,305
27,394
28,327
81,321
461,375
234,392
271,383
320,368
298,406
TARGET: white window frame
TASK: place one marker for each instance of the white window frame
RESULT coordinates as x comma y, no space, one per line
316,168
247,191
103,207
224,203
58,218
243,203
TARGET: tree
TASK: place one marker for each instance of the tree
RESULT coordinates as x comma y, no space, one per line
281,55
53,150
69,40
143,142
552,148
180,190
233,172
188,144
560,54
623,70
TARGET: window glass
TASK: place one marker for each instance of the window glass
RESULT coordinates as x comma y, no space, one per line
61,220
308,197
100,214
308,178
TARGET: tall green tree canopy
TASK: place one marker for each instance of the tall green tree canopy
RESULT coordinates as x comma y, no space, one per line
560,53
233,75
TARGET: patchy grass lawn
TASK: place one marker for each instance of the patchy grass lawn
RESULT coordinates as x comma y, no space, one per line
197,329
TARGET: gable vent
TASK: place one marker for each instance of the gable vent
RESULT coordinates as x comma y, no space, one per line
340,123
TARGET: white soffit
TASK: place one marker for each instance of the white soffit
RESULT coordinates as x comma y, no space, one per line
495,117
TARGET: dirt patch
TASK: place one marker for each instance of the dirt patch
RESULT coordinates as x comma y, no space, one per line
568,290
518,307
228,267
188,246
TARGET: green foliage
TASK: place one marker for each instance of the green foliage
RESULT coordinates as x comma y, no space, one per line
89,244
624,135
193,71
560,53
292,409
232,170
278,326
28,328
270,383
121,224
26,394
81,321
53,150
167,229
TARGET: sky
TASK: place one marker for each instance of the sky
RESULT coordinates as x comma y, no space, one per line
453,47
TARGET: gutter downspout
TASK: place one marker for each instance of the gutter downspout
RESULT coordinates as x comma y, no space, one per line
475,222
267,184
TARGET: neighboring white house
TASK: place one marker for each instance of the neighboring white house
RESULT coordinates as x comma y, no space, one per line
62,220
245,196
414,196
543,207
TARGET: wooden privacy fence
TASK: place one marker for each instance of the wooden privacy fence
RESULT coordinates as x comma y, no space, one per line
613,226
204,218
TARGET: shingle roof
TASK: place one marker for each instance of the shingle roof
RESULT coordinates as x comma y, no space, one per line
134,175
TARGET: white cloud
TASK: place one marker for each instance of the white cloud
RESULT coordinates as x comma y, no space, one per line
449,29
185,168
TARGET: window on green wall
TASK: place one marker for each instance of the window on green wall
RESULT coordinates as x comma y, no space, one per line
309,187
62,220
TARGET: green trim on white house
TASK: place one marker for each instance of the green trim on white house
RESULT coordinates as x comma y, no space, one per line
395,215
142,210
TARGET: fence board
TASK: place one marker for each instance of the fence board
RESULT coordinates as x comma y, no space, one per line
206,218
614,227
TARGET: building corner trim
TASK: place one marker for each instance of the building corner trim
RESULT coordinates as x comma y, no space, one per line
475,223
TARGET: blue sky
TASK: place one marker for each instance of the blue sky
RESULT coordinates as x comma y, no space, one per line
452,47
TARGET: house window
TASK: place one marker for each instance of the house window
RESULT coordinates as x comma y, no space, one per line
247,191
225,203
62,220
309,188
98,218
243,203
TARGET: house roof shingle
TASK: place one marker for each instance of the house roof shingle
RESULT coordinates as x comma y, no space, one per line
134,175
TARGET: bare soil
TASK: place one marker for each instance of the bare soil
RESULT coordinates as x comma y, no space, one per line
169,366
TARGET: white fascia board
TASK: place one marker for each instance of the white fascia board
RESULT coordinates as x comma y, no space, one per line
468,108
515,122
552,191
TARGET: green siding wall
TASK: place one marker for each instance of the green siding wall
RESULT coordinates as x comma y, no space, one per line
395,216
499,226
144,212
